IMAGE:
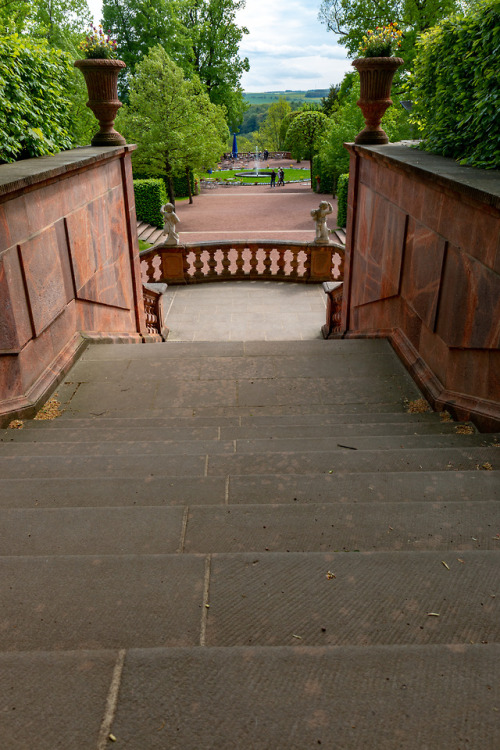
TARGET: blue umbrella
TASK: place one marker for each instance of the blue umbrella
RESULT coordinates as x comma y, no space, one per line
235,146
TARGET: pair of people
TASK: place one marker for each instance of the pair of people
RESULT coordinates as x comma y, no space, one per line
281,177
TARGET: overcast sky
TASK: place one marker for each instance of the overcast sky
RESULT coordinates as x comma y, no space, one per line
288,48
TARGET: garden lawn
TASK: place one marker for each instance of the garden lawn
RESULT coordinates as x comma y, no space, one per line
234,175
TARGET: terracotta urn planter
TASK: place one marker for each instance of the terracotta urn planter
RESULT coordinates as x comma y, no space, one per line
376,74
101,77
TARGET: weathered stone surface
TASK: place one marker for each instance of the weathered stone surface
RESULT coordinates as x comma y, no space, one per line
433,287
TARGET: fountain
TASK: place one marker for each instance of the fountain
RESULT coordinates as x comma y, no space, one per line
256,172
257,153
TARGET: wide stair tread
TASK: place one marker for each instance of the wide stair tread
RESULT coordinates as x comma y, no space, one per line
196,554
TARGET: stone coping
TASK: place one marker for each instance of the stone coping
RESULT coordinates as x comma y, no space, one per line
20,175
481,184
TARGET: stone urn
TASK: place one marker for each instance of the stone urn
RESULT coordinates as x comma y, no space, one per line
101,77
376,74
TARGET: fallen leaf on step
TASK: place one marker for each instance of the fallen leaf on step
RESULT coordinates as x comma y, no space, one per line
330,575
433,614
445,565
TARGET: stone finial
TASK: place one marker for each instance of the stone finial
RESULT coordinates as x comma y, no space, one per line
319,215
170,219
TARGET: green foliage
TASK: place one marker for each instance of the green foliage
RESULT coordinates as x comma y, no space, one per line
180,182
33,105
172,120
455,87
342,190
150,196
269,135
304,133
351,19
345,123
200,36
322,169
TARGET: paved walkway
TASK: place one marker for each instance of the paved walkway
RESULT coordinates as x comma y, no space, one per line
248,310
245,311
252,212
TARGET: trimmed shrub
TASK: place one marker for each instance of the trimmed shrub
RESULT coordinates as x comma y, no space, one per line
326,175
180,182
342,190
34,111
455,87
150,195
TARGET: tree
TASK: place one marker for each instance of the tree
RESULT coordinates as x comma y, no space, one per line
269,135
215,40
34,111
172,120
329,102
350,19
201,36
305,132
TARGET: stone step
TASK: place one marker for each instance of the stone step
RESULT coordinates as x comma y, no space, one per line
89,491
260,599
355,461
381,442
121,448
167,464
246,432
264,421
215,446
249,349
373,487
205,529
133,464
281,698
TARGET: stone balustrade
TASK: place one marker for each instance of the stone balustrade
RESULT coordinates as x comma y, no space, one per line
238,260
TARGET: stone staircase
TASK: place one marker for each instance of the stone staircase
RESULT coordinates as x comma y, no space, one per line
248,546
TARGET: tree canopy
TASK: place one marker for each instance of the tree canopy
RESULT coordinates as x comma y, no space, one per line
269,135
201,36
350,19
171,119
305,131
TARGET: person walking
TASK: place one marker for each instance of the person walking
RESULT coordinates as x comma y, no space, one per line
273,179
281,177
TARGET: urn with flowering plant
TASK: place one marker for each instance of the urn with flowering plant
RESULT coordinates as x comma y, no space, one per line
100,69
376,70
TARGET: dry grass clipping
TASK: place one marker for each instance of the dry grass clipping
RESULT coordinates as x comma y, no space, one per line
50,410
419,406
16,424
445,416
465,429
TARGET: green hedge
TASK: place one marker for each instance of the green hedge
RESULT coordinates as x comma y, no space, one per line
342,190
455,87
150,195
326,174
180,182
34,110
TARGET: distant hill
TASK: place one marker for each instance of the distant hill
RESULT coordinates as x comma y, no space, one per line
268,97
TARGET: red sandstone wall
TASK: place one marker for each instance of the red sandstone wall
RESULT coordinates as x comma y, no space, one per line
422,268
68,265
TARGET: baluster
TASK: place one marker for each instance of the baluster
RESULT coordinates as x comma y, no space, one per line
226,263
198,263
254,252
144,272
267,262
212,263
239,262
